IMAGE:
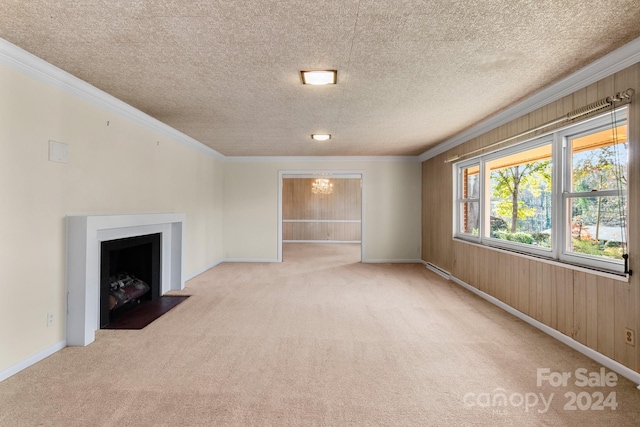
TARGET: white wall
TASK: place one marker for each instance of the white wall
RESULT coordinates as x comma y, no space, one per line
391,200
115,166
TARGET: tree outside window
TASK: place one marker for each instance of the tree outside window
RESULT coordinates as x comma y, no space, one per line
520,195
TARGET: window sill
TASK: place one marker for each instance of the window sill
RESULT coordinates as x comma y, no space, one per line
610,275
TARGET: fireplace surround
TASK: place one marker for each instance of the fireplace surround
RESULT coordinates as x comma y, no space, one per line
85,234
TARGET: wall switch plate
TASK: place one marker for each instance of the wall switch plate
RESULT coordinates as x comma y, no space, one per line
49,319
58,152
630,337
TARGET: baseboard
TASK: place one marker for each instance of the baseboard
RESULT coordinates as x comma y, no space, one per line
605,361
32,360
321,241
392,261
250,260
202,270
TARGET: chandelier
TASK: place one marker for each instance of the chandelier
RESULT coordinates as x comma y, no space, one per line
322,186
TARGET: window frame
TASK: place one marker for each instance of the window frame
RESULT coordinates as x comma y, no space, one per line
561,178
566,136
458,196
506,244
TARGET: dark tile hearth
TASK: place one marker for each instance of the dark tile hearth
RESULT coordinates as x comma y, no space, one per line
141,315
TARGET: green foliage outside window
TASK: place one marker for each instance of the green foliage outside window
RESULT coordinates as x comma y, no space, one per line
521,198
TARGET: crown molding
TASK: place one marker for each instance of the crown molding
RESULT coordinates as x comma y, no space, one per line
609,64
20,60
333,159
29,64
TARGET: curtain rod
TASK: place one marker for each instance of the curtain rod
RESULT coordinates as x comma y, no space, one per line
572,115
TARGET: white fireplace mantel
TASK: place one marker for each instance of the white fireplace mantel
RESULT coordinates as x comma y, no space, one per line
84,237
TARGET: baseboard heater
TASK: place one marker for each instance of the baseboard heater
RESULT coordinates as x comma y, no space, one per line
438,271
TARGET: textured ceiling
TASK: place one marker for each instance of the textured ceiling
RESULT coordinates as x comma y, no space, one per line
411,73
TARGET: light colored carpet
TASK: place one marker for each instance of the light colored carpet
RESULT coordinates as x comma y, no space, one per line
319,340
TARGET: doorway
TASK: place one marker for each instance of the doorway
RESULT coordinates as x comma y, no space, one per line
321,213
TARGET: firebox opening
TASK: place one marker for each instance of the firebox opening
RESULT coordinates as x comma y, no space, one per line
129,275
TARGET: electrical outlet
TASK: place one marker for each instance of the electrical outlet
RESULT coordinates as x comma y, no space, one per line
630,337
49,319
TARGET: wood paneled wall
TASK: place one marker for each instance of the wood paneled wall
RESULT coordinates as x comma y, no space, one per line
592,309
307,216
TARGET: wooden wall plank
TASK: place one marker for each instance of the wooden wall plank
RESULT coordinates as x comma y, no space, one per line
484,276
560,296
605,298
481,276
580,307
591,282
606,87
535,290
623,315
492,268
466,263
513,274
523,285
569,302
545,304
437,244
592,93
577,99
502,282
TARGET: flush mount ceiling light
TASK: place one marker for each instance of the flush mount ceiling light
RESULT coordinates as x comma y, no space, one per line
319,77
320,136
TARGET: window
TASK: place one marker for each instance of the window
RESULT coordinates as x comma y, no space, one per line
469,205
561,196
519,196
596,195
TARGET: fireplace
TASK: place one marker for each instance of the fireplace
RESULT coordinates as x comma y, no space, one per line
129,275
85,235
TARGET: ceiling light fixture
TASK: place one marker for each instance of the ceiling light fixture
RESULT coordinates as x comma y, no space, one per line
320,136
319,77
